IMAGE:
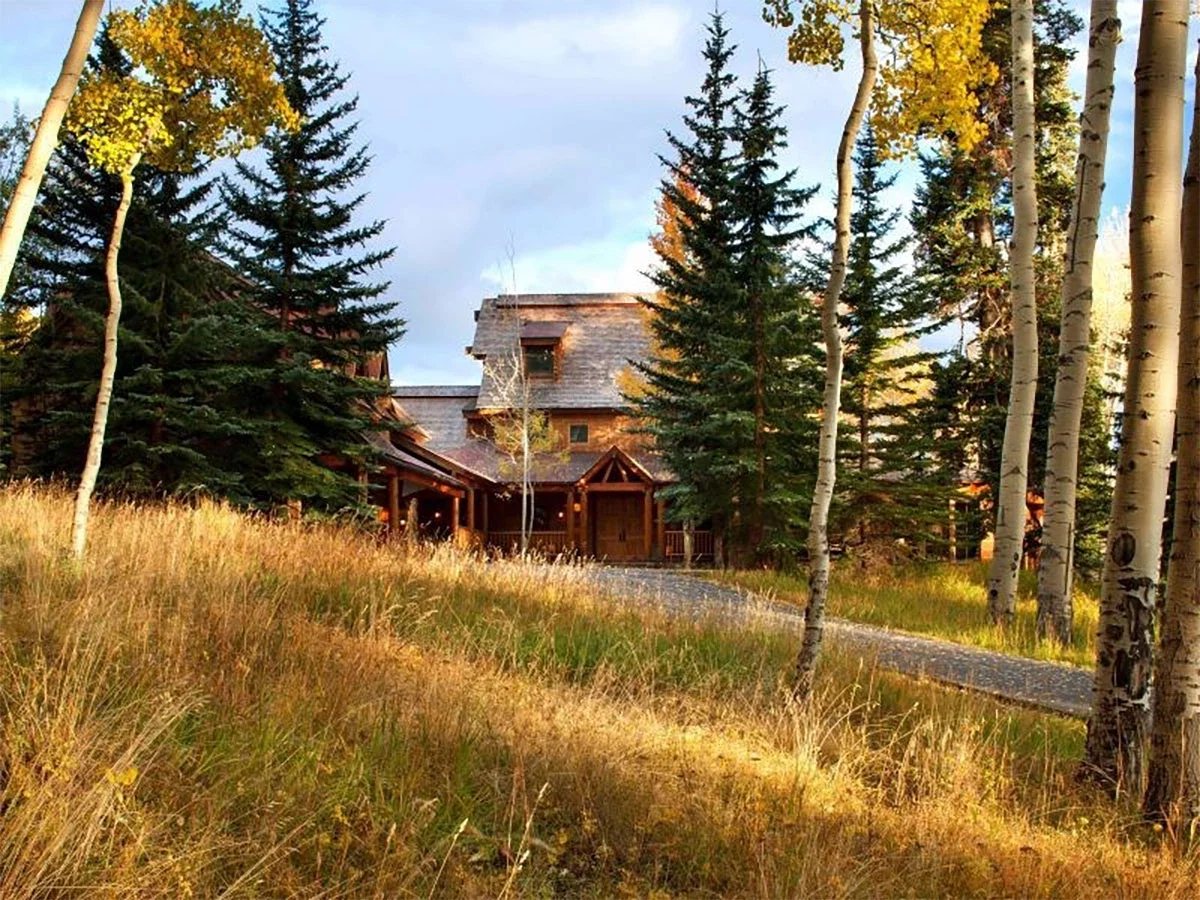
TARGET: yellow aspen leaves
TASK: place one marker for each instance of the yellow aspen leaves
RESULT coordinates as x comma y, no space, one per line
202,83
931,64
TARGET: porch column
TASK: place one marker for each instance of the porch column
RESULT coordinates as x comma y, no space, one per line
411,526
454,513
362,486
471,509
660,535
485,515
570,517
647,516
393,504
584,532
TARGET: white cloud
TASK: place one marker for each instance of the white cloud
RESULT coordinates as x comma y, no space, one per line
574,45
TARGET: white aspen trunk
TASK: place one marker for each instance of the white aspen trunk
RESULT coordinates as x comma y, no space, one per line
818,527
1121,689
1055,569
689,539
1022,394
108,370
1173,771
45,139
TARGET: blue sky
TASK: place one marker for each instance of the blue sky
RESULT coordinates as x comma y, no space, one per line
535,124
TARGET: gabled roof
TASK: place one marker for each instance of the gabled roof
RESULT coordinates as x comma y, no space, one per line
439,410
599,334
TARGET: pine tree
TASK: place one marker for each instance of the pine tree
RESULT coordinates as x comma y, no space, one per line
185,333
693,318
884,317
781,373
296,240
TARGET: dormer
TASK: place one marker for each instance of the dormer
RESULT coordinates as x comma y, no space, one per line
541,348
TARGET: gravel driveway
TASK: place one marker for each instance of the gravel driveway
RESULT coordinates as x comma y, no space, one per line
1045,685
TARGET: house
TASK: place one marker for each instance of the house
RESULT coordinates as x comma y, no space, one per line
597,486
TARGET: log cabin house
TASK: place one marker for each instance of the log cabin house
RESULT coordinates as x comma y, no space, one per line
597,491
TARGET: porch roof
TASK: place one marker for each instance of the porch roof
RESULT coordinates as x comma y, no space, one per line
390,453
485,459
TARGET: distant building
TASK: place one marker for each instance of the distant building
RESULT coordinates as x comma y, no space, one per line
597,492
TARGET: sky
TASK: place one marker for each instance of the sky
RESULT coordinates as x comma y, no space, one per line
534,127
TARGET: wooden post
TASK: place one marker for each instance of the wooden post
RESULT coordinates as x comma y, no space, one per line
471,510
585,542
485,515
660,535
393,504
647,526
411,526
570,516
362,486
952,533
689,541
455,511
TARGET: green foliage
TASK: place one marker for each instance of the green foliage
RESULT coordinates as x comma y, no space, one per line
294,237
733,373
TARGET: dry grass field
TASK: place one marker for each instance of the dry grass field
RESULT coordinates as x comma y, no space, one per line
217,705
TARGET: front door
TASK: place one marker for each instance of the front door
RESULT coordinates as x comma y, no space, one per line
619,525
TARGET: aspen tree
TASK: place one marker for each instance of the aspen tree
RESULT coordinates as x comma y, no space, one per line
1018,427
1056,565
1173,770
1129,591
45,139
203,83
926,85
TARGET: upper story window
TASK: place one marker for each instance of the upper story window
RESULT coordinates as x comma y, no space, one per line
579,434
539,360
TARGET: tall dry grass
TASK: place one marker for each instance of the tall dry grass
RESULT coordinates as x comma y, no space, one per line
218,705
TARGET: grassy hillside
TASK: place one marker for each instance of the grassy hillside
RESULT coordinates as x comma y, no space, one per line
220,704
936,599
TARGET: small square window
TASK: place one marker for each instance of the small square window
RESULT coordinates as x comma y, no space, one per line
579,434
539,360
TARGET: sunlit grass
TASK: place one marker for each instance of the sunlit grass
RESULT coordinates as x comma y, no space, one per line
940,600
224,704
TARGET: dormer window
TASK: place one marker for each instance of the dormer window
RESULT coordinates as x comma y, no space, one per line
540,345
579,434
539,360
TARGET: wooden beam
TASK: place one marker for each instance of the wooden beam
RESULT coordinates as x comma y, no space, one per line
630,486
660,534
585,535
647,533
393,504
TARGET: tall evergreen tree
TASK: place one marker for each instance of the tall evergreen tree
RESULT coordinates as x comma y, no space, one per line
781,373
693,317
184,336
884,315
296,238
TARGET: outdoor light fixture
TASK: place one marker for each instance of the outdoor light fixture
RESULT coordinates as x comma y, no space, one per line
578,507
561,513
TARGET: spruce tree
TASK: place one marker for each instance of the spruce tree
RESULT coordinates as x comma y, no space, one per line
297,241
780,377
184,336
885,315
694,317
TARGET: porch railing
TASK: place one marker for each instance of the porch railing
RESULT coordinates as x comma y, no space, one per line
550,543
702,544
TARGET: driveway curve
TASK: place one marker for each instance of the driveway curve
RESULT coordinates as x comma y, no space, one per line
1054,687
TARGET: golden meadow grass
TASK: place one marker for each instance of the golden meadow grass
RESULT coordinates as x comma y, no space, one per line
223,705
939,600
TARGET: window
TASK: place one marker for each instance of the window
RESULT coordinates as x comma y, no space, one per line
539,360
579,434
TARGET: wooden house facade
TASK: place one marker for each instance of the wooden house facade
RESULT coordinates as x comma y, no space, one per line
597,484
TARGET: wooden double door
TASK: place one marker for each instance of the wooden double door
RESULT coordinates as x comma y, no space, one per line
619,525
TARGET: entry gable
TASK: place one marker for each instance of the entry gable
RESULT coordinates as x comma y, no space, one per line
616,467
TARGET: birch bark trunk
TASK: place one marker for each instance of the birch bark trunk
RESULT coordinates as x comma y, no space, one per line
1018,428
818,529
1173,783
45,139
1055,569
1121,689
108,369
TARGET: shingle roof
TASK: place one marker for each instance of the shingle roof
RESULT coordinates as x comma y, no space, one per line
393,454
604,332
439,411
483,458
